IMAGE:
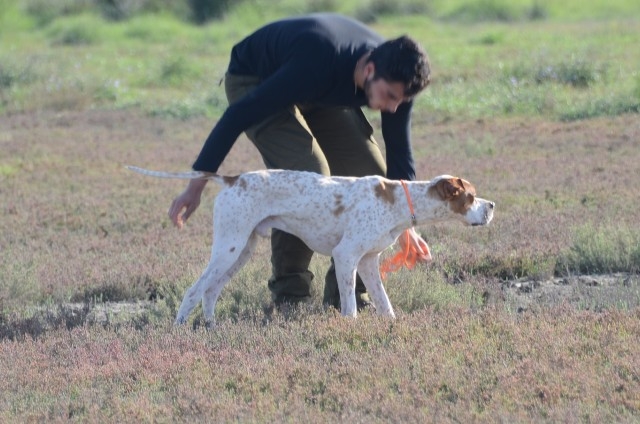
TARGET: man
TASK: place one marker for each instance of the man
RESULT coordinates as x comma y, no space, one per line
295,87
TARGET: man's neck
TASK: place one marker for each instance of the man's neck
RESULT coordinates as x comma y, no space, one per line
359,76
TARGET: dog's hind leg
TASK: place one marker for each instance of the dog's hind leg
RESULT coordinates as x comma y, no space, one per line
194,293
211,294
213,278
368,269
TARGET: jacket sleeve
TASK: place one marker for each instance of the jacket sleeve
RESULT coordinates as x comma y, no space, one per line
396,131
292,83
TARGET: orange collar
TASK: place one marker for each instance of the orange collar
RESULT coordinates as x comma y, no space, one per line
414,221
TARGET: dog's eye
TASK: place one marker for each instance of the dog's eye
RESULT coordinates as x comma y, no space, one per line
469,201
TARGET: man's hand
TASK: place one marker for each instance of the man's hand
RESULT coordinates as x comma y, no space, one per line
188,201
413,249
416,245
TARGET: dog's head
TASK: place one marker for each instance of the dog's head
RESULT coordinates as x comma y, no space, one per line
460,197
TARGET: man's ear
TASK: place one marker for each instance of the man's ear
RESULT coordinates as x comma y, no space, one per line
369,71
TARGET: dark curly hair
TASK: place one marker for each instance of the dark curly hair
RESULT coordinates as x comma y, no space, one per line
402,60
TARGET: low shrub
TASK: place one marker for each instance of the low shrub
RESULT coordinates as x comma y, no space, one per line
604,249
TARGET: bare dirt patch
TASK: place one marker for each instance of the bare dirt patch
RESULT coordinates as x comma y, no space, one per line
588,292
592,292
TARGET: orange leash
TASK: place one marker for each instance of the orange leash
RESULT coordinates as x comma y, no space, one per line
408,254
414,221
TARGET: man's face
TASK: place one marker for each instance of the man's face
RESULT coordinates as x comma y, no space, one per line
384,95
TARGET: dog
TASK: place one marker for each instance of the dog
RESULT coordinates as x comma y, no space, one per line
352,219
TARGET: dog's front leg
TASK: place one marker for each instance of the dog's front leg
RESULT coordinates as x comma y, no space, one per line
368,269
346,276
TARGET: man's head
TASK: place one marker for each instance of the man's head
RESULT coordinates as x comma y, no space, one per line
397,70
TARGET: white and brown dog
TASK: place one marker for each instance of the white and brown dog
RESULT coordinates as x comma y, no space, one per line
351,219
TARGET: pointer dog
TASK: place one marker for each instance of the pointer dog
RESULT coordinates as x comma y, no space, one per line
351,219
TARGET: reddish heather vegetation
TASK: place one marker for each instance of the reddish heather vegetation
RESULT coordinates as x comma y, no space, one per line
514,332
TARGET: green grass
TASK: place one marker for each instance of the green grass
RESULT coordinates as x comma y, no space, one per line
555,67
603,249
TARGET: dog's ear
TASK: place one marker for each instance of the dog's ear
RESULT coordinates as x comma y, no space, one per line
448,188
466,186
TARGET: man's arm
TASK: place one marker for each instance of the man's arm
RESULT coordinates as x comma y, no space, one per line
396,132
289,85
293,83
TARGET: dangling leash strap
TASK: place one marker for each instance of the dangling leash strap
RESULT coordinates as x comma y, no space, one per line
408,255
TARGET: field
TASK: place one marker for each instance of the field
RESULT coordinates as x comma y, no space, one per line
535,318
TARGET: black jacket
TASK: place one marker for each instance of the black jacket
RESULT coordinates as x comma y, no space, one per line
305,60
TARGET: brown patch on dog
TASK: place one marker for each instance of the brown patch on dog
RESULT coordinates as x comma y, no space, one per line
458,192
338,203
385,192
467,186
230,181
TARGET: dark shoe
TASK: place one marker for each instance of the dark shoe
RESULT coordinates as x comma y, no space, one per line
363,303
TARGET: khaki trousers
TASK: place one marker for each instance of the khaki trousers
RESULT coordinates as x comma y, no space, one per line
327,140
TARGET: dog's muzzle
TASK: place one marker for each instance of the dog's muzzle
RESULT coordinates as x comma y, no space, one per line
488,215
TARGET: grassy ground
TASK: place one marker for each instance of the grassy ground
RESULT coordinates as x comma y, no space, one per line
79,230
513,322
454,365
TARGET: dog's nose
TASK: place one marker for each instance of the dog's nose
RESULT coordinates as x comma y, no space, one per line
491,205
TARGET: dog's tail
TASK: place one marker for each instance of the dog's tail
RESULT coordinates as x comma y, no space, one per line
190,175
